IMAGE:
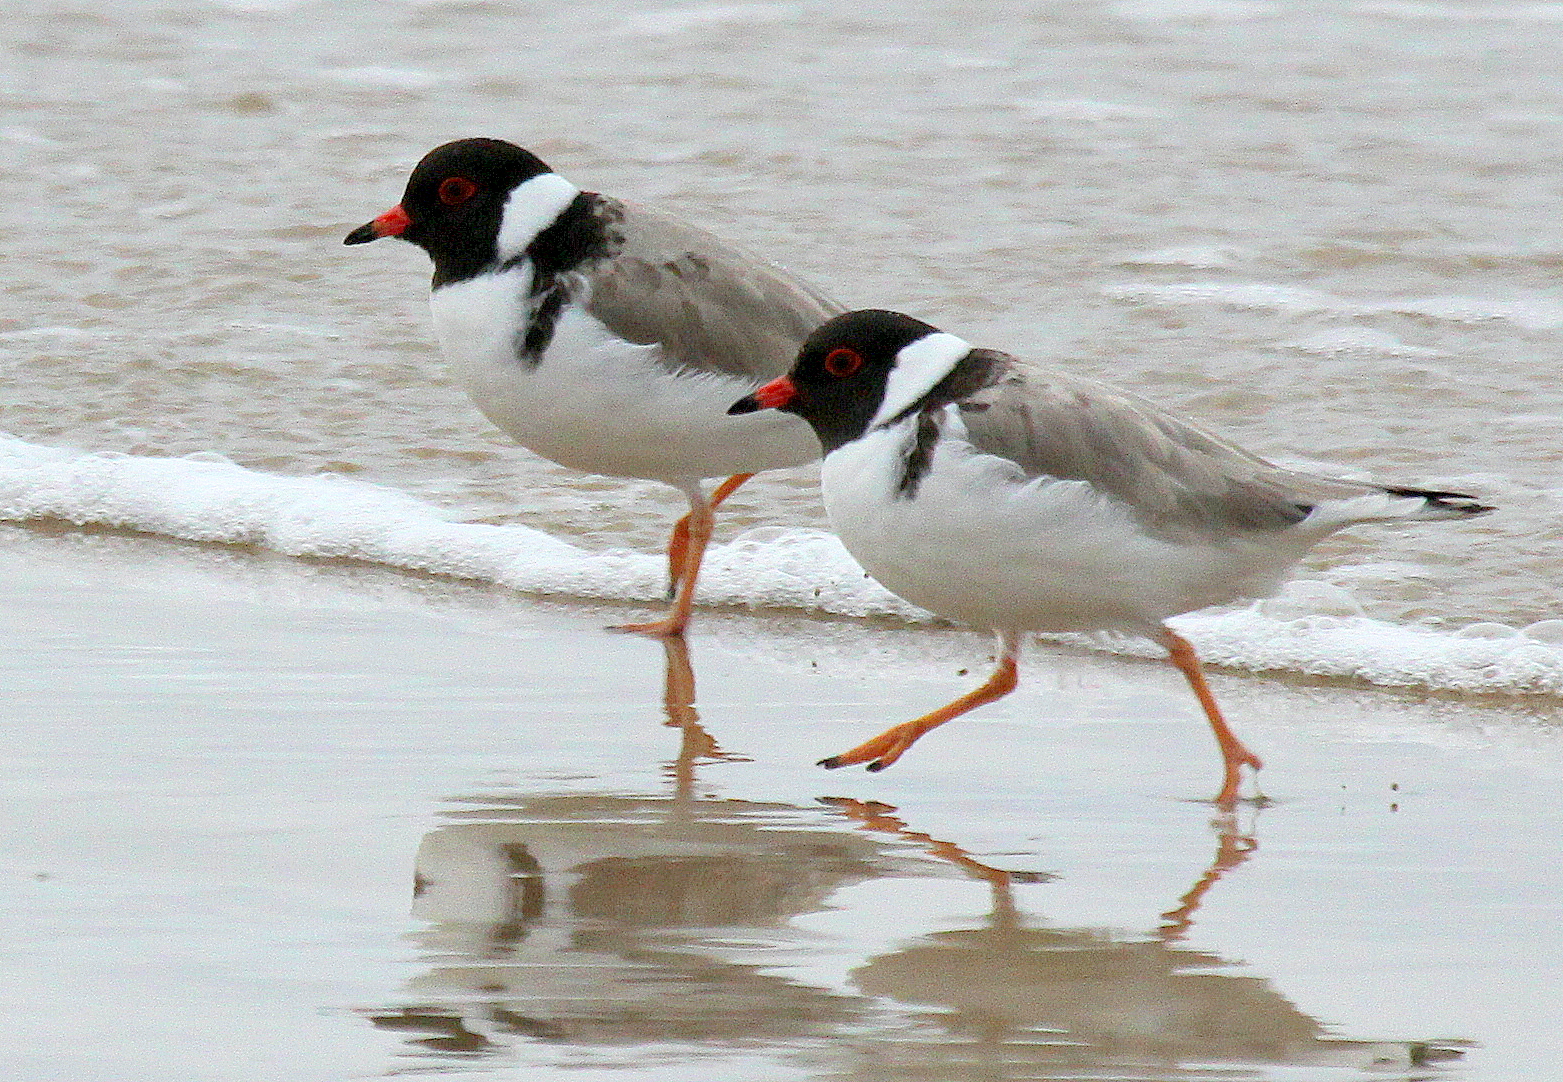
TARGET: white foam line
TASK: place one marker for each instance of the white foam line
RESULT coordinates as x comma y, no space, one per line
1389,655
199,499
202,499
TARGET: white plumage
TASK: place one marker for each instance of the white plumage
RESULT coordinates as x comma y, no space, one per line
598,403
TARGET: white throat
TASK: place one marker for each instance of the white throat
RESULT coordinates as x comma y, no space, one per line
532,207
918,367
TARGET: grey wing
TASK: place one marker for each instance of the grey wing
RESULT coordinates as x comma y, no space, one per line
1177,479
712,306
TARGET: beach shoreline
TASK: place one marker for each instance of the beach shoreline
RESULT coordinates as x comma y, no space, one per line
221,766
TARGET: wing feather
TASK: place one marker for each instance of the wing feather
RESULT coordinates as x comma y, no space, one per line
710,305
1179,480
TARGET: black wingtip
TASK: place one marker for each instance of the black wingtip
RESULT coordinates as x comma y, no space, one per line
1459,503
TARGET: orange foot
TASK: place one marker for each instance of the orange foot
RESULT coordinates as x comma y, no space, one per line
881,751
671,628
1232,778
891,744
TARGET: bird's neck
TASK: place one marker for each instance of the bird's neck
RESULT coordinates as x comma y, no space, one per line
534,206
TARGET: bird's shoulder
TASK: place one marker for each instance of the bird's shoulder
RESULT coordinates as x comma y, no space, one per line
710,304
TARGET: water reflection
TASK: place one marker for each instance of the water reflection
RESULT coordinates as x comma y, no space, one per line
1233,848
678,706
610,920
1023,1002
667,925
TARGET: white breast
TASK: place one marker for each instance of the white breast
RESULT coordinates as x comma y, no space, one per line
982,544
597,403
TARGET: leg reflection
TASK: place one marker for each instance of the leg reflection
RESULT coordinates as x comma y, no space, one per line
678,702
876,816
1017,996
1232,849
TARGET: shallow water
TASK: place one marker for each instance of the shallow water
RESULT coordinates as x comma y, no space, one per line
262,819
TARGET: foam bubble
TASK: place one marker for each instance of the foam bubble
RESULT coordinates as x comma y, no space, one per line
1313,627
1531,313
1357,341
1379,653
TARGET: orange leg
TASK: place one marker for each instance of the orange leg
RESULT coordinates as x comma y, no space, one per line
678,547
678,543
1234,756
889,745
698,525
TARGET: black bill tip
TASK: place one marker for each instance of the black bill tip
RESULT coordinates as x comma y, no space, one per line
363,234
747,404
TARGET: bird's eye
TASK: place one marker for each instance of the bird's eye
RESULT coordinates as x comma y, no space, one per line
455,191
843,362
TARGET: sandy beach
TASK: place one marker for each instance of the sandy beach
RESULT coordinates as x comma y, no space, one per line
266,818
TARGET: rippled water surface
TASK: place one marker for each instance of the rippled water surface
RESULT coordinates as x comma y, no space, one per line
1327,229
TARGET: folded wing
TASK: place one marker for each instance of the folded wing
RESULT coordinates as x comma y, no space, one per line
1177,479
710,305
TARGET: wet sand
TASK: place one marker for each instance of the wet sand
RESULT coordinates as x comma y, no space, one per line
271,819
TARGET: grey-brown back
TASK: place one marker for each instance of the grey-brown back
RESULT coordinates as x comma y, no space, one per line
1179,480
711,305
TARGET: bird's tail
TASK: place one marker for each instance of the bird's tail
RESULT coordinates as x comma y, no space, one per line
1436,504
1384,503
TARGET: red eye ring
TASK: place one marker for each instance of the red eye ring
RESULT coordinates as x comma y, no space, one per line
455,191
842,362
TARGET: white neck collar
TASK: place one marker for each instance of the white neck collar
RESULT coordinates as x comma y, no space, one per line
918,368
533,206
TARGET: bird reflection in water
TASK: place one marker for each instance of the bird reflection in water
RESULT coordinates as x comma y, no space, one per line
609,920
604,920
659,925
1025,1002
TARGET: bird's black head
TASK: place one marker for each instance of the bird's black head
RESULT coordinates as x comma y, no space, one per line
848,367
454,205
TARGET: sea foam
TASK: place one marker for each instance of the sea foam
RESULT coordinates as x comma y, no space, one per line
1529,312
208,499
